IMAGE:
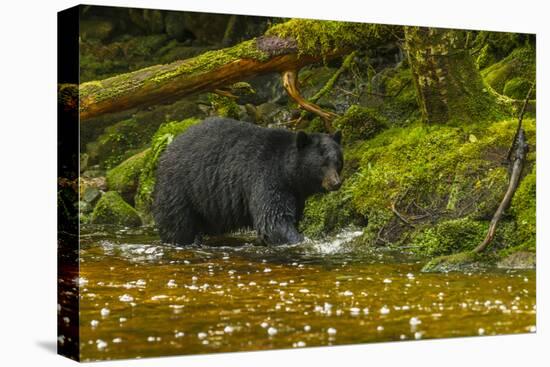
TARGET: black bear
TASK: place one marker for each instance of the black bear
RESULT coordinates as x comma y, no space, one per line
223,175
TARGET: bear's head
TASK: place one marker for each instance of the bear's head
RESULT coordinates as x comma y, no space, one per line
320,161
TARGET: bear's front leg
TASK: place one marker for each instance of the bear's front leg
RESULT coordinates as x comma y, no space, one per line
275,218
281,233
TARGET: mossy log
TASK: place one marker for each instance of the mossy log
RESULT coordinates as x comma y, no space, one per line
449,86
284,48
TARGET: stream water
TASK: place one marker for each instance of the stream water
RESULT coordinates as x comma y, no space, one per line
139,298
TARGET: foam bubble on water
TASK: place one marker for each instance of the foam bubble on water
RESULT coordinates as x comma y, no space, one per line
307,328
414,321
384,310
117,340
126,298
105,312
272,331
159,297
101,345
299,344
81,281
331,331
94,323
179,334
228,329
335,245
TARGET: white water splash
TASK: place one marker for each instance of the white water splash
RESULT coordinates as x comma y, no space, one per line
336,244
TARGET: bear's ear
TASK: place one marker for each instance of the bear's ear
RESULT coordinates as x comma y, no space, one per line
337,136
302,139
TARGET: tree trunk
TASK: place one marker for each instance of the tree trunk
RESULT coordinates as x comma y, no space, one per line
449,86
285,47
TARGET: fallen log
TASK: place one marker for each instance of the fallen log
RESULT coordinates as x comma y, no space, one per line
285,47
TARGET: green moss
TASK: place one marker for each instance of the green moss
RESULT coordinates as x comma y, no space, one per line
124,178
119,142
112,209
518,88
485,57
461,261
524,208
432,174
211,60
359,123
448,237
328,213
494,46
314,37
224,106
147,178
399,106
520,63
315,126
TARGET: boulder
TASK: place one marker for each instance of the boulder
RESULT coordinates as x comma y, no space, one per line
519,260
112,209
124,178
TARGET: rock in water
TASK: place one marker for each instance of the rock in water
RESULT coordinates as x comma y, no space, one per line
519,260
112,209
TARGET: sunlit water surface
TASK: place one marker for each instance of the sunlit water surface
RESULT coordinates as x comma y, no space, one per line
139,298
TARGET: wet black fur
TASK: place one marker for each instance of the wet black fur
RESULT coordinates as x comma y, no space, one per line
223,175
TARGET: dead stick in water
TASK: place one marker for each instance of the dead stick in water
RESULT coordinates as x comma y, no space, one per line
517,166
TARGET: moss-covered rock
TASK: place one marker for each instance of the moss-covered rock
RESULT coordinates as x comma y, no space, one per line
112,209
448,237
124,178
147,178
119,142
518,88
520,63
329,213
462,261
451,175
359,123
224,106
519,260
524,208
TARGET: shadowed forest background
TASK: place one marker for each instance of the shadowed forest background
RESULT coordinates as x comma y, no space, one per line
428,117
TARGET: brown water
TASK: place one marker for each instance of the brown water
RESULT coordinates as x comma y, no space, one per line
142,299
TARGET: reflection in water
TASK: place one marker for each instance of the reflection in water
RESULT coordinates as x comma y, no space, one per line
140,298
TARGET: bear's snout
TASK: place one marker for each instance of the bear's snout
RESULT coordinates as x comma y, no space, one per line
332,181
